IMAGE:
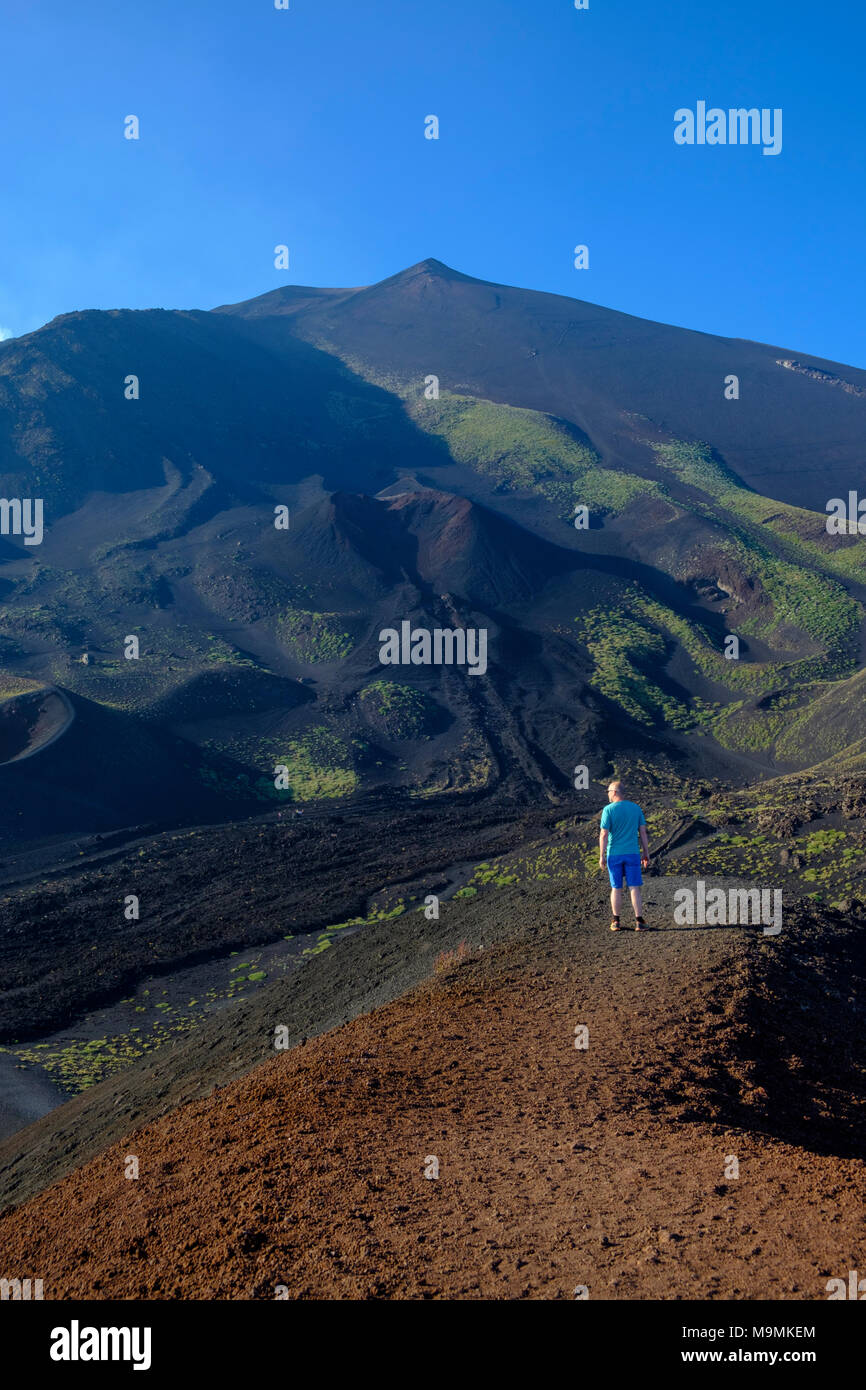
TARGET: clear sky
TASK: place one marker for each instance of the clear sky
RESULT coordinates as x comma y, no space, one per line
306,127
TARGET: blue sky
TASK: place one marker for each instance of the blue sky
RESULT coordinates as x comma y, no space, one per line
306,127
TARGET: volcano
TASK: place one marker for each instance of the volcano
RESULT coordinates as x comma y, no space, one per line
579,483
213,777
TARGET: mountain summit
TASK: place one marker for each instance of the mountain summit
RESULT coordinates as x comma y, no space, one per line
579,483
613,376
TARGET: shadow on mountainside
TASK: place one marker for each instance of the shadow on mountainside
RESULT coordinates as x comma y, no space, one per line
797,1068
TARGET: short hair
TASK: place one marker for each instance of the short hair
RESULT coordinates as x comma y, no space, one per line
616,786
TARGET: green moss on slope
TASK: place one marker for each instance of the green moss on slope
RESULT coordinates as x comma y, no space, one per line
526,450
314,637
401,710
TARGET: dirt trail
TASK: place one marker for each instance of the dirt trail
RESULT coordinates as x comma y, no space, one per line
558,1166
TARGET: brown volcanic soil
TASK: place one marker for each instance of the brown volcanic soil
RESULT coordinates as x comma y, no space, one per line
558,1166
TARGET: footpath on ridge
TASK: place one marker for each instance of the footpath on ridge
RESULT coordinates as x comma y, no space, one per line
607,1166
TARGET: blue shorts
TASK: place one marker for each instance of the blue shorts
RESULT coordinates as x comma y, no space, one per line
628,864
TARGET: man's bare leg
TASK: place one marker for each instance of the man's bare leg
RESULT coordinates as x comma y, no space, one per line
615,901
637,901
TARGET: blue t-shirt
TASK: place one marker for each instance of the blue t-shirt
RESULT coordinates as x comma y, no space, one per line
622,819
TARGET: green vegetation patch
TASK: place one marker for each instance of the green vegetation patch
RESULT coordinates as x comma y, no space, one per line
319,765
78,1064
789,569
402,710
625,648
526,450
315,637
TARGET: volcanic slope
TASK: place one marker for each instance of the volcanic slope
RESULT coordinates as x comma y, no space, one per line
259,646
609,374
468,1140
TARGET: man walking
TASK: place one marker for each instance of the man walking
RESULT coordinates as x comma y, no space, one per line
623,842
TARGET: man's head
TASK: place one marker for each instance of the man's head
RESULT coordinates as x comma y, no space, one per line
615,791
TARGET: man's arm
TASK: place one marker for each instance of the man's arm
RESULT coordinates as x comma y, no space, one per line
645,856
602,848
